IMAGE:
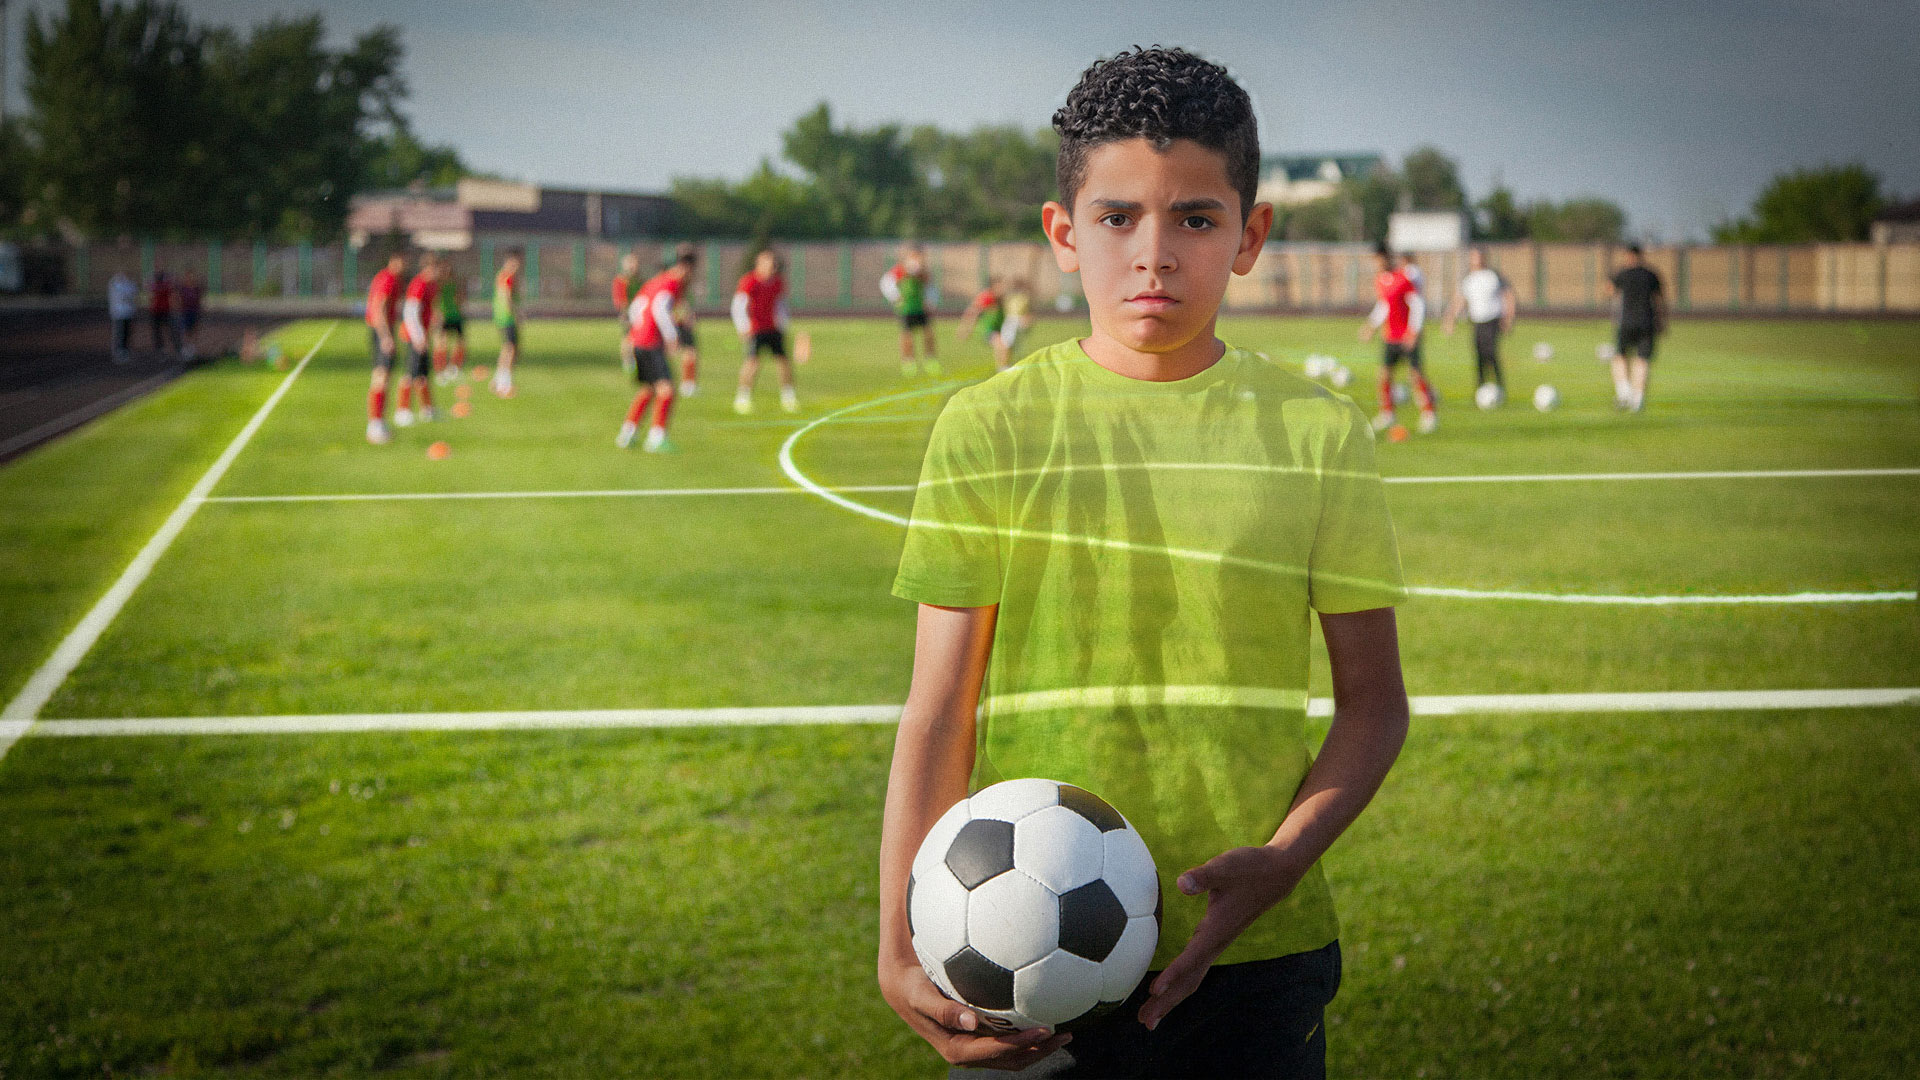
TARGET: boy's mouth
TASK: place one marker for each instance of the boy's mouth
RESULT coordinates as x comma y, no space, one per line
1151,301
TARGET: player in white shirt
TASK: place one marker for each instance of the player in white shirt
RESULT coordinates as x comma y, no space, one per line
123,303
1488,301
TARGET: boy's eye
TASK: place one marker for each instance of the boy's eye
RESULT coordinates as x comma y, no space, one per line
1116,220
1198,221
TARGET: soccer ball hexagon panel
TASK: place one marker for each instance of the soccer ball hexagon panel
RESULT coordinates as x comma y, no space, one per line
1035,902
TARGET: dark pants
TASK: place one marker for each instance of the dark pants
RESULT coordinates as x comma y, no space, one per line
1486,353
1266,1018
165,327
122,336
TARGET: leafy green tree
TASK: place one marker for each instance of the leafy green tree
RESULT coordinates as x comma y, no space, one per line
1326,220
1833,203
1431,181
1498,217
15,160
866,179
1576,221
987,184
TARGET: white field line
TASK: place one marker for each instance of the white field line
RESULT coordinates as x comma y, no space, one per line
619,493
590,493
83,414
1444,592
573,720
26,705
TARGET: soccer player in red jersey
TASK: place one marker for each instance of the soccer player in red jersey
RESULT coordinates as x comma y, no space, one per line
625,284
1398,316
416,321
653,333
683,319
760,315
383,318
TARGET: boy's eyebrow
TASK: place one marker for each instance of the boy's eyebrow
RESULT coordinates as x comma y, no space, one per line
1184,206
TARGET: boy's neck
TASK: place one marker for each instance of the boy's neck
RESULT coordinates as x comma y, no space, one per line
1196,356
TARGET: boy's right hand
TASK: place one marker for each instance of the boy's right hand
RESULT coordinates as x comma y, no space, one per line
949,1026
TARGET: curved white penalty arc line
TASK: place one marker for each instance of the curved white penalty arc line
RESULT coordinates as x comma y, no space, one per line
1436,591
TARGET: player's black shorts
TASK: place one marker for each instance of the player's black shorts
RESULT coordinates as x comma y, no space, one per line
1396,351
650,365
775,340
913,321
510,333
419,360
685,330
1635,341
1486,340
382,358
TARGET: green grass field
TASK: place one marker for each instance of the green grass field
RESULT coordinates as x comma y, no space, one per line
1630,894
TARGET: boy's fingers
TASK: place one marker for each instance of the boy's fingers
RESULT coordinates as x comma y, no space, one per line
945,1011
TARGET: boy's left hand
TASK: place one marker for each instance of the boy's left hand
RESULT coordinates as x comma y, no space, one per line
1241,885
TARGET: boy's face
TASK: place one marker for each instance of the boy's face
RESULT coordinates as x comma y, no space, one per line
763,264
1154,237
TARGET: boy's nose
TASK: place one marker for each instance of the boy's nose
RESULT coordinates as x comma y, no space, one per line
1154,255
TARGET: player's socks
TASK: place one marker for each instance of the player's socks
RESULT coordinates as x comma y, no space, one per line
627,432
426,396
1386,393
377,404
406,394
439,359
639,407
1423,390
789,400
743,401
661,407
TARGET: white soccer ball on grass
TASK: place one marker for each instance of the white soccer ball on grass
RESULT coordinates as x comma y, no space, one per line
1543,351
1341,376
1034,903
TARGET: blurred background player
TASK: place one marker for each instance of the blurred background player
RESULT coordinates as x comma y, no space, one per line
1489,304
166,333
416,325
1639,316
625,284
760,316
653,333
383,313
905,287
687,350
1018,300
506,316
187,300
123,303
1398,316
450,349
989,310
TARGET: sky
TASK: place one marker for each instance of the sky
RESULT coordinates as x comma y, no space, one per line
1679,112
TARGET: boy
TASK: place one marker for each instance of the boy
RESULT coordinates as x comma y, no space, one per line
653,333
1137,623
1488,302
625,284
990,311
416,324
905,287
453,327
123,303
383,319
760,317
1398,314
506,316
1639,317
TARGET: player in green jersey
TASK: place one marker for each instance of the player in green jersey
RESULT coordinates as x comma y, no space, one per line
1117,548
906,286
506,317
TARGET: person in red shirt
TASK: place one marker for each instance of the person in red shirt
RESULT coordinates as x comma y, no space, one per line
760,315
650,318
160,303
383,320
624,285
416,322
1398,316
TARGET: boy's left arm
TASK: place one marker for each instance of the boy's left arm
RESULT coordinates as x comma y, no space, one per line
1369,726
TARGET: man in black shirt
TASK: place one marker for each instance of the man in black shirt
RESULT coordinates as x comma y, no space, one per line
1639,316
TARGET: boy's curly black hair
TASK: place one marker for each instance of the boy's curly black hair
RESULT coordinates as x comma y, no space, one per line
1159,95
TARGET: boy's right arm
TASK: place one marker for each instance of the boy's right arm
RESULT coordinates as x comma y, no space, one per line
932,759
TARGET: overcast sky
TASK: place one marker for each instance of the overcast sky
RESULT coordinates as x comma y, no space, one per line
1680,112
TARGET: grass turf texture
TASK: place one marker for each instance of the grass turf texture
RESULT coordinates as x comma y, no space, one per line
1687,894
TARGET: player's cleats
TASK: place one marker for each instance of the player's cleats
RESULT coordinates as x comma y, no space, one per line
377,432
403,418
1429,422
657,442
503,388
931,367
1382,420
789,400
743,403
688,388
627,431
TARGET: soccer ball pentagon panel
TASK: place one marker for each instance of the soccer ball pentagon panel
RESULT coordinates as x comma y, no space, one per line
1035,903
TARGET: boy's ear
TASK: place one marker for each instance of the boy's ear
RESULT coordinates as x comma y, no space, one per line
1253,237
1058,225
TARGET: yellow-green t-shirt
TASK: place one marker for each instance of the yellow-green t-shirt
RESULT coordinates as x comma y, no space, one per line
1155,550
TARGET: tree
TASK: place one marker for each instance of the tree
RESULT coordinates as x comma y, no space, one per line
1833,203
1498,217
866,179
1431,181
1580,220
14,162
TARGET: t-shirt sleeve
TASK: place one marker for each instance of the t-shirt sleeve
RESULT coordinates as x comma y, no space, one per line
953,549
1355,564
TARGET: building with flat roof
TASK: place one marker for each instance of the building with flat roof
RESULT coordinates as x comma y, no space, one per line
455,219
1291,179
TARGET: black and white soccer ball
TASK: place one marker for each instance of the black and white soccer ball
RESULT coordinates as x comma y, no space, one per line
1035,903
